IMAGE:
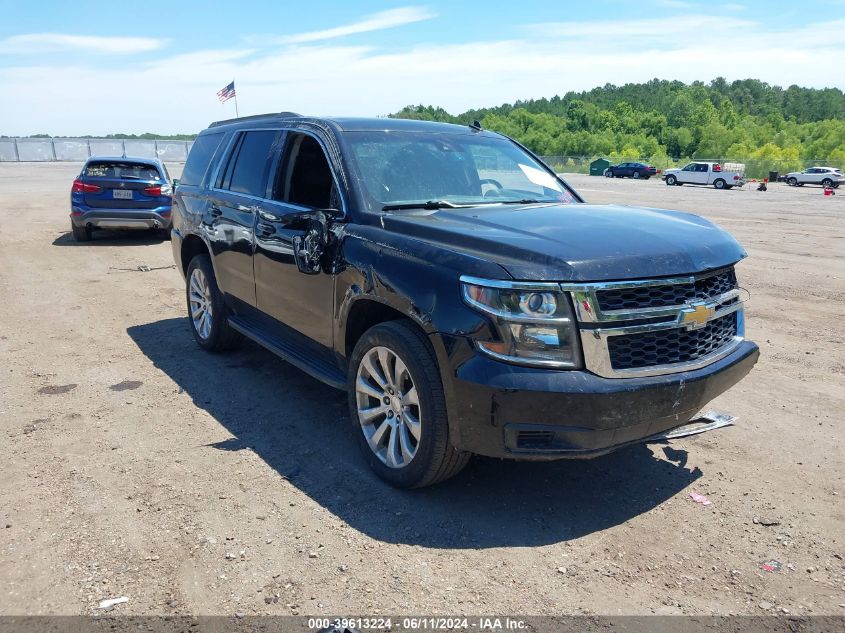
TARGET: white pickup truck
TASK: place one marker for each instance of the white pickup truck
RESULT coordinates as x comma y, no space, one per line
707,174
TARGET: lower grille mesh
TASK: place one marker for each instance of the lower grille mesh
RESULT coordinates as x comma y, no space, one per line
665,347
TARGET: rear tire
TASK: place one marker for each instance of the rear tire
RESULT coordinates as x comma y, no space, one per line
396,400
636,175
719,183
81,233
207,311
827,182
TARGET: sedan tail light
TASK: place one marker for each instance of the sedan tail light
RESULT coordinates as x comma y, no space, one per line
84,187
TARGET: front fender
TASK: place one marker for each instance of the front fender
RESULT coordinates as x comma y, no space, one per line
418,279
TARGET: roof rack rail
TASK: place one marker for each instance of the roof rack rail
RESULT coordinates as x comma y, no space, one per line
280,115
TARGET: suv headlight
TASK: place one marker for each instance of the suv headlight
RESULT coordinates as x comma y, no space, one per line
535,322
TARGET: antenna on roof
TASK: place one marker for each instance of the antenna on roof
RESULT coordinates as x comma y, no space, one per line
476,125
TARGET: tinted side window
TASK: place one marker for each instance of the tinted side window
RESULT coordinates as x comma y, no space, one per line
252,164
199,158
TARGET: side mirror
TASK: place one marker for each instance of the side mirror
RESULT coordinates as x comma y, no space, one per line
176,182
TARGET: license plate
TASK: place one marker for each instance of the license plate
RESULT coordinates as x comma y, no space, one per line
122,194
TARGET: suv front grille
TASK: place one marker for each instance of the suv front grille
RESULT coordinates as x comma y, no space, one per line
666,347
664,296
659,326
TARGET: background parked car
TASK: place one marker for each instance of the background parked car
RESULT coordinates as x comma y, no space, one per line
120,193
825,176
721,177
631,170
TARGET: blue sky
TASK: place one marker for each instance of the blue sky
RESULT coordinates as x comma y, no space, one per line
84,67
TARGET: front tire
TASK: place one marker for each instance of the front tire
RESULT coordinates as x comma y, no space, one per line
397,407
608,173
792,181
207,311
671,181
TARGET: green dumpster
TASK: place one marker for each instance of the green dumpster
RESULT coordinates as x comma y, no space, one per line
598,166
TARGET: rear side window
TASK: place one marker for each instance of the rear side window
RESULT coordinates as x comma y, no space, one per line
253,156
199,158
121,169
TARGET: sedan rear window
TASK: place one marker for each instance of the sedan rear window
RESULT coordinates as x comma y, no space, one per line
114,169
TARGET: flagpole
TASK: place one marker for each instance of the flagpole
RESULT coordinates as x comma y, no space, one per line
237,116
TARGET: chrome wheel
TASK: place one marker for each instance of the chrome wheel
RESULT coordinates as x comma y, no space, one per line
199,299
388,407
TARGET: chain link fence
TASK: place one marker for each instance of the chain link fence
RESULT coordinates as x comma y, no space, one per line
80,149
754,167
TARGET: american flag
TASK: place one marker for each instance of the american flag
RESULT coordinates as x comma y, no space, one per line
227,93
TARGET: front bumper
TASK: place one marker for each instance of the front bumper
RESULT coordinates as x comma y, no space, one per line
504,410
157,218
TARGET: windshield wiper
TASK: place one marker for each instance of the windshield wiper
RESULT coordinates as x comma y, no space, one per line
430,204
526,201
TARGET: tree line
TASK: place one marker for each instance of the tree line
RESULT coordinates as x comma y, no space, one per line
662,120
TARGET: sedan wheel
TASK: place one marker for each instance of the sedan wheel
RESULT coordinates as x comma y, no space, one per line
636,175
827,182
608,174
792,181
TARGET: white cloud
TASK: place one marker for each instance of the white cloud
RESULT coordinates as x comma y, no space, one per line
178,93
666,29
375,22
55,42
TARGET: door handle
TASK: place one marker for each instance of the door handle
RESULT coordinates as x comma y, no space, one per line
245,209
266,215
265,230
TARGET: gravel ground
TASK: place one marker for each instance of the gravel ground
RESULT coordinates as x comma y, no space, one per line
137,465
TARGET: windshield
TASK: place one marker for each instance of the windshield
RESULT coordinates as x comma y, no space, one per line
404,168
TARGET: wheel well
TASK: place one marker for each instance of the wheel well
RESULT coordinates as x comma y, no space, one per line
191,247
364,315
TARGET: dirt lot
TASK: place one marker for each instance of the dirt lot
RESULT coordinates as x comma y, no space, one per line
136,465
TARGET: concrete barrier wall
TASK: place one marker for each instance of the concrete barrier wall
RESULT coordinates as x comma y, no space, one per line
74,149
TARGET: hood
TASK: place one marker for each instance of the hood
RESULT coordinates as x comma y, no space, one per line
576,242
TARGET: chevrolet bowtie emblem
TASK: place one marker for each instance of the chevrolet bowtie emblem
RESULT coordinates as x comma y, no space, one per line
697,316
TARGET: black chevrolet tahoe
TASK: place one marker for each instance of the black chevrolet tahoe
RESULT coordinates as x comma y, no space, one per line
464,296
